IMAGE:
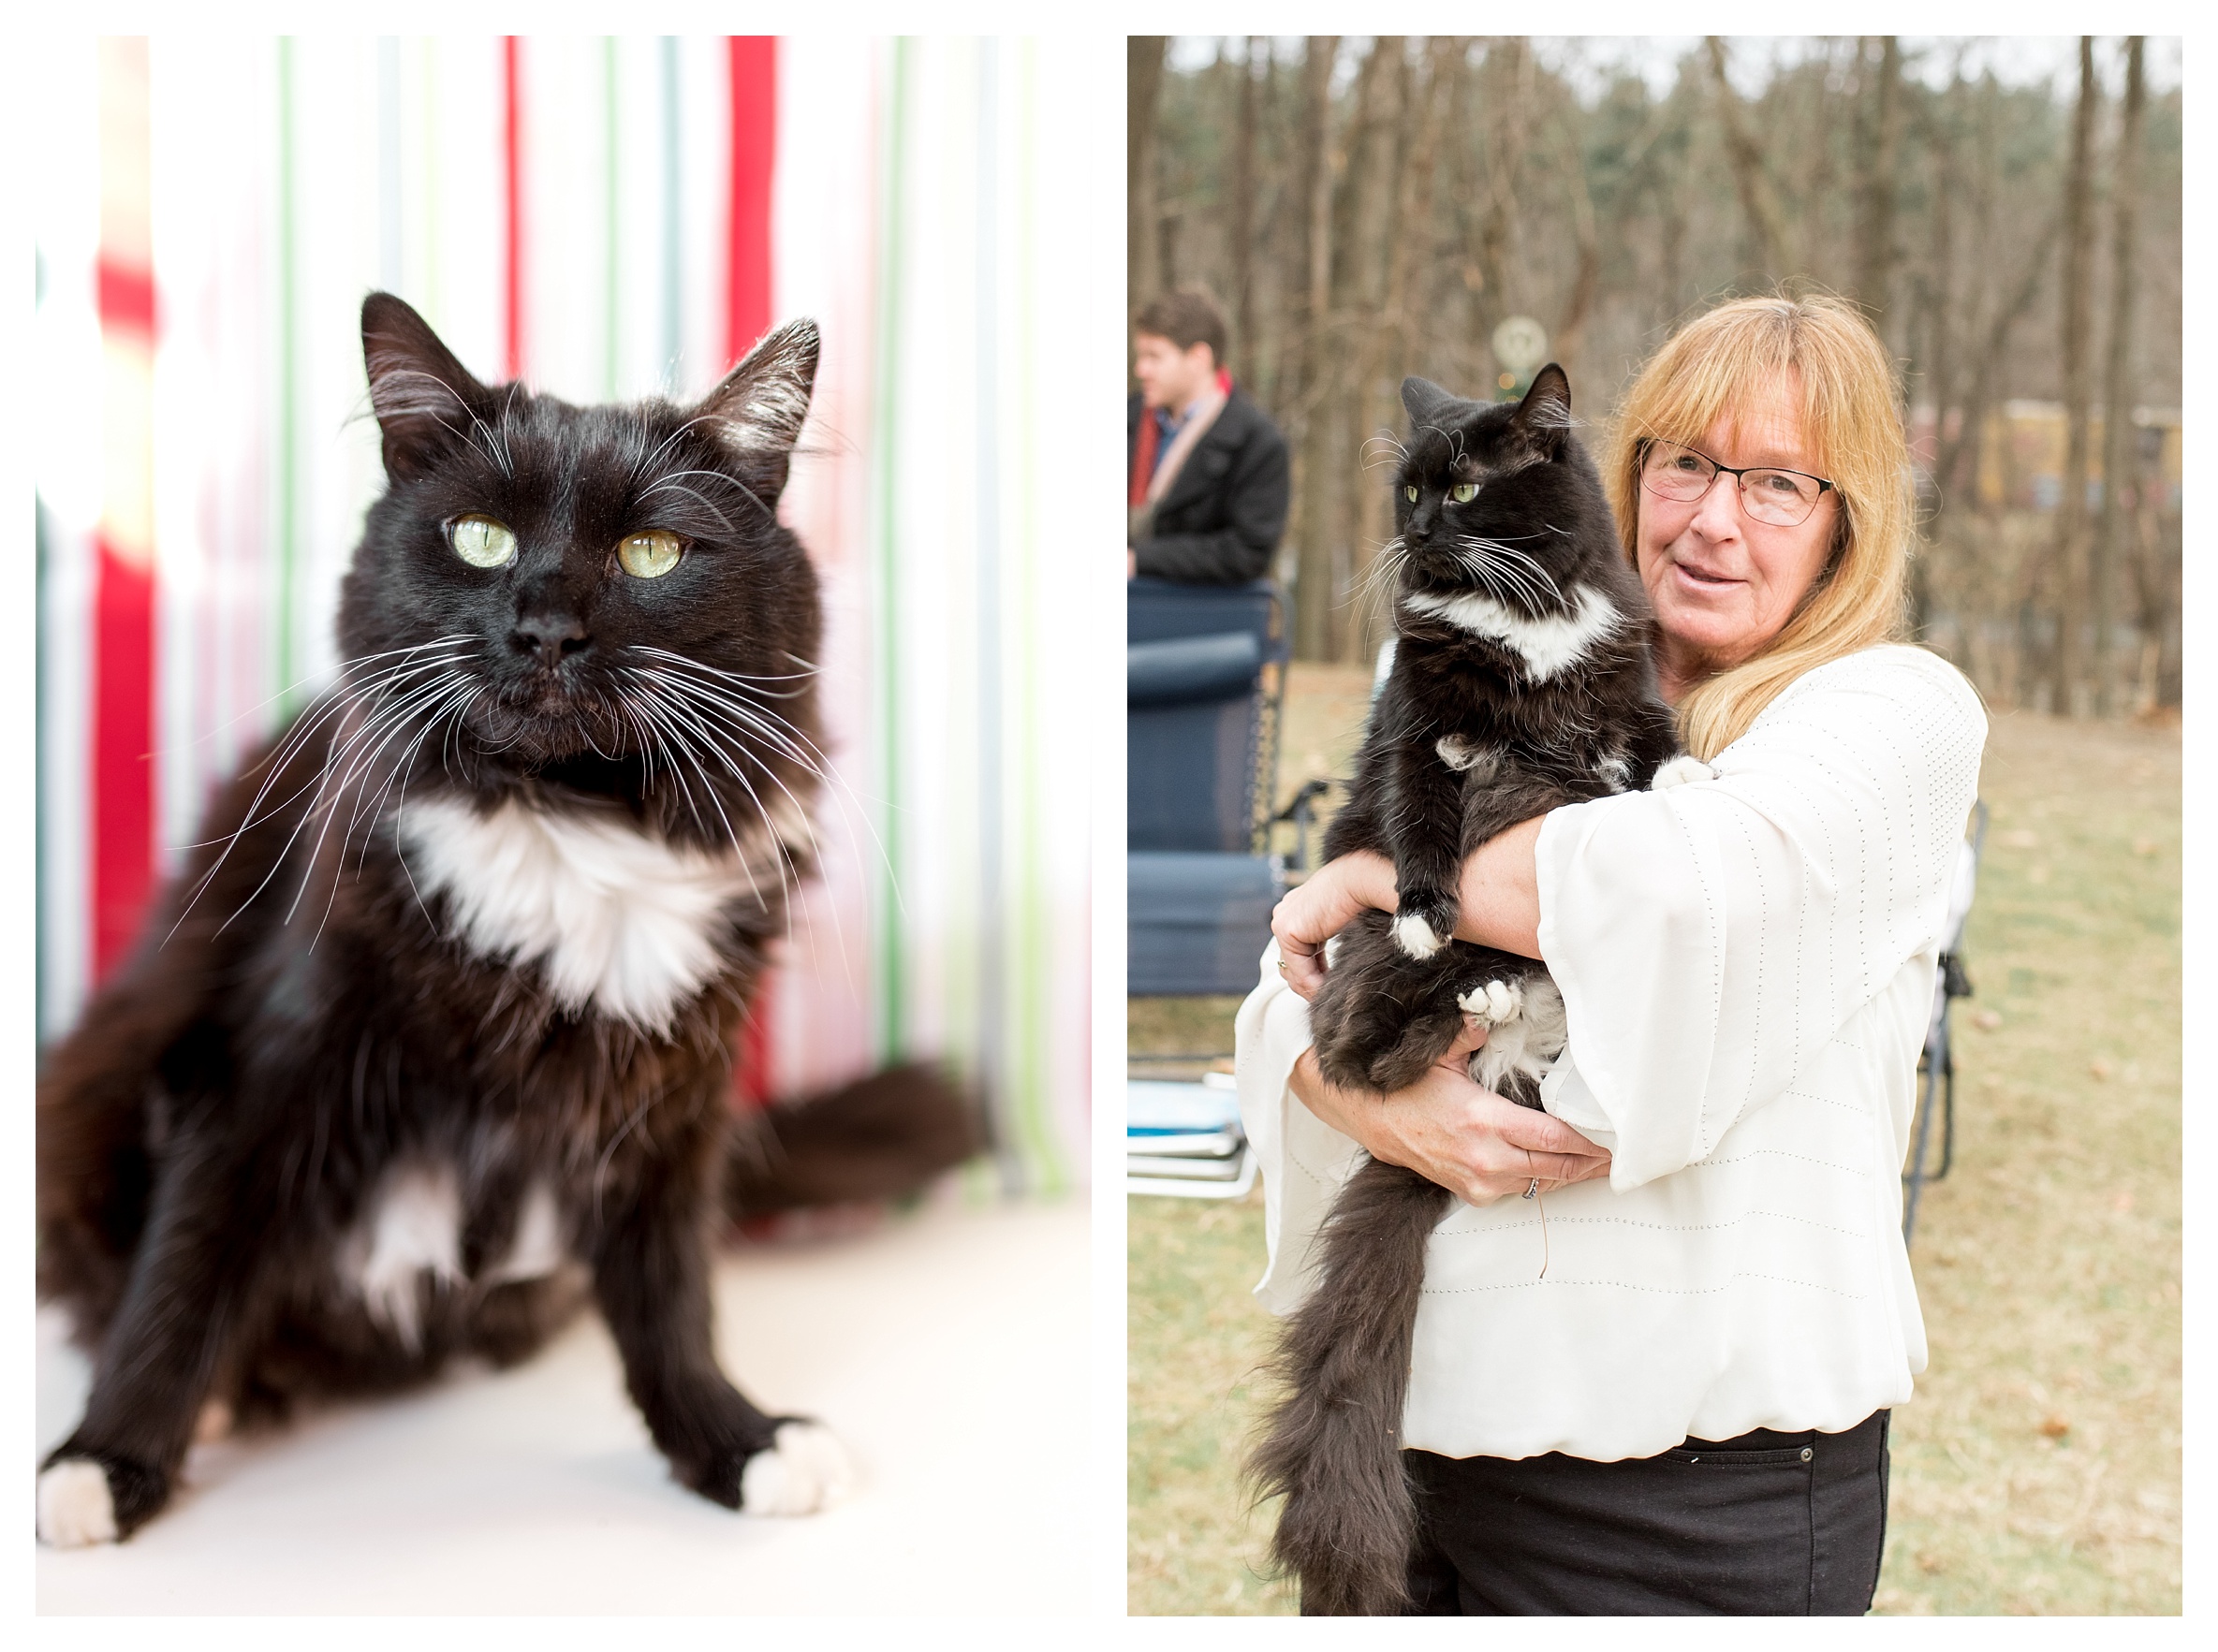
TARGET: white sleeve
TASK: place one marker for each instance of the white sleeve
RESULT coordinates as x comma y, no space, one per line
1302,1160
1709,939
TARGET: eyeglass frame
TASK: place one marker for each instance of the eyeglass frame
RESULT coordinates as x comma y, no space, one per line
1740,484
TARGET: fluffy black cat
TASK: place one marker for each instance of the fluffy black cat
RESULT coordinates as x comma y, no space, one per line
432,1041
1521,681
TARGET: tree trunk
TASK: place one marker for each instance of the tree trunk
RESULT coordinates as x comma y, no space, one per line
1143,94
1505,103
2117,441
1313,579
1388,342
1243,213
2067,585
1362,216
1761,211
1875,228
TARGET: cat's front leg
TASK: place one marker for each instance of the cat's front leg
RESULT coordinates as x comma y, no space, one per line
1423,821
191,1285
651,1276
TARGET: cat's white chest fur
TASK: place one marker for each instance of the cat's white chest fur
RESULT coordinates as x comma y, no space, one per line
1546,646
613,916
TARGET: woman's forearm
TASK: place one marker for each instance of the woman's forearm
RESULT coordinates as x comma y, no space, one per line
1500,893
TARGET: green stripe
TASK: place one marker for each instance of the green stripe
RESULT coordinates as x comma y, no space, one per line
892,1005
288,385
1030,1068
609,213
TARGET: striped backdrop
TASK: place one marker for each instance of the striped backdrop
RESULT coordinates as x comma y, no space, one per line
604,218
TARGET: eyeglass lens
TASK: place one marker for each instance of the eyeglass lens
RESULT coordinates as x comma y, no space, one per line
1781,498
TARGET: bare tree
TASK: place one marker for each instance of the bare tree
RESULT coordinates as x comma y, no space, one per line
1875,228
1606,204
1316,588
2068,577
1143,89
1243,208
1747,155
2118,378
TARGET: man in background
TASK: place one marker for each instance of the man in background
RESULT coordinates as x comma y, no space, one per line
1207,482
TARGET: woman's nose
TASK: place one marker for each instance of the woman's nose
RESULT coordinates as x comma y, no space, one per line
1718,515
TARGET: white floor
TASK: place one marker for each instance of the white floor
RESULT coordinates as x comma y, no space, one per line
943,1347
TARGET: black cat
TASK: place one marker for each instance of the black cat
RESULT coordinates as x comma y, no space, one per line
1521,681
432,1041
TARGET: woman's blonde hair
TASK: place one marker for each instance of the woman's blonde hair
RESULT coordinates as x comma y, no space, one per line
1852,428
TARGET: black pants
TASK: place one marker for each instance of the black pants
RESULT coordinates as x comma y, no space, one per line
1766,1524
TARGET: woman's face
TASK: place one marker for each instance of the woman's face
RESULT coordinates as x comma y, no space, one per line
1724,584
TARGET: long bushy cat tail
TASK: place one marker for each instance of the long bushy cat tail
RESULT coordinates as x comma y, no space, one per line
1333,1446
878,1138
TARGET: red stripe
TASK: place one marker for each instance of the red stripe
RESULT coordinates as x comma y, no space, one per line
754,154
754,69
512,148
123,756
126,299
754,1077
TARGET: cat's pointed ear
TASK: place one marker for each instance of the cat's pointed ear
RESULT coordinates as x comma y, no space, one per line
420,393
760,406
1424,400
1546,412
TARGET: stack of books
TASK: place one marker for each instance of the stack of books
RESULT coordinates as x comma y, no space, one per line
1184,1139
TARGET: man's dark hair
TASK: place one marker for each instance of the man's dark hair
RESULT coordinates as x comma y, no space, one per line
1186,318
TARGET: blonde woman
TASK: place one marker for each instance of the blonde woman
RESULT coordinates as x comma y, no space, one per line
1660,1383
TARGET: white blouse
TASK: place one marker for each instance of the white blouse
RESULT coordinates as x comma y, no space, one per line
1747,966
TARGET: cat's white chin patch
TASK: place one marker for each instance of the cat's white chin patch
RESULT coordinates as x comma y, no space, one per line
1415,936
75,1509
805,1471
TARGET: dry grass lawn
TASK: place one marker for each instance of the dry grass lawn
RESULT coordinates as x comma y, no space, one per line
2039,1468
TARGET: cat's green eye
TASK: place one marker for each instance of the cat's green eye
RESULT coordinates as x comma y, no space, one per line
1410,494
648,555
1463,493
482,542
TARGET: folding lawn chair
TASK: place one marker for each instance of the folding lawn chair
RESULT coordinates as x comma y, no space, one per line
1205,685
1937,1066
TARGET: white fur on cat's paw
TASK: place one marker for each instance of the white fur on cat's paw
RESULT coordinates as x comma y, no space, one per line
1497,1004
805,1471
1415,936
75,1508
1679,771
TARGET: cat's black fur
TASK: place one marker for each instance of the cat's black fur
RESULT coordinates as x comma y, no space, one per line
306,1020
1572,714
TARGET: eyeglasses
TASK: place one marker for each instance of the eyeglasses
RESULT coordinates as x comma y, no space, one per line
1785,498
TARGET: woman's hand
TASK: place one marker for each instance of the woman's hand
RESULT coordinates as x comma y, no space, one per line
1450,1130
1317,910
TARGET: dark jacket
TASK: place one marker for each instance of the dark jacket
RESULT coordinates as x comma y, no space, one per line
1222,519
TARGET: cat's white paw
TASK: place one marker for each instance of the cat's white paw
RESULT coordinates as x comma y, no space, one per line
75,1509
1497,1004
1679,771
805,1471
1416,937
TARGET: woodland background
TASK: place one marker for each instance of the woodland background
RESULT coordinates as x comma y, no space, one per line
1370,207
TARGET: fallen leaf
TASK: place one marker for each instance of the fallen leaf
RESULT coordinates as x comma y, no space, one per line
1987,1020
2055,1426
2145,846
2098,1068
